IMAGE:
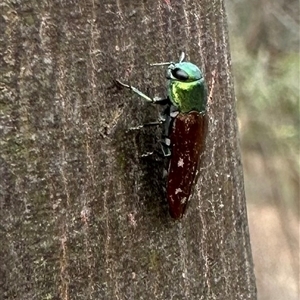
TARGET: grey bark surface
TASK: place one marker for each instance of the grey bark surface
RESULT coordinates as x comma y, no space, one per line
83,216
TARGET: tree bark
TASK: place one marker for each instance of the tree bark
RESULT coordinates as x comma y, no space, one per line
83,216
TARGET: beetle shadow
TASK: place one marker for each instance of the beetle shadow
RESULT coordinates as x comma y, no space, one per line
152,165
141,167
153,184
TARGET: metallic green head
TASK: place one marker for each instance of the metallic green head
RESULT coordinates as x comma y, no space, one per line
186,87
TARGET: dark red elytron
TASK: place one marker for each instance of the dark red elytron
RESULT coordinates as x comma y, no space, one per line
187,143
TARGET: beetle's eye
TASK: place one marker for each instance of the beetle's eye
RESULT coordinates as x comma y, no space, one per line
180,74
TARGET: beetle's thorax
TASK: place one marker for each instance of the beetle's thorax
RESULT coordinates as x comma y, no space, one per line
187,96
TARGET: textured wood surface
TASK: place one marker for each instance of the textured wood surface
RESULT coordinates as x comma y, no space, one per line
82,214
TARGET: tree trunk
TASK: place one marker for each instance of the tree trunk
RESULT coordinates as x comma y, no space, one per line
83,216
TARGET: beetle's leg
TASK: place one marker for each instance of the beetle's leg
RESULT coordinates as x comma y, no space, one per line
135,90
150,153
161,101
167,116
165,142
146,125
165,147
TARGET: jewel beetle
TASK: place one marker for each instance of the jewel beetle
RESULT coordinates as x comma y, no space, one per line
184,128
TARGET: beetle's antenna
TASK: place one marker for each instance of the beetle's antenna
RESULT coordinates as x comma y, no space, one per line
162,64
182,57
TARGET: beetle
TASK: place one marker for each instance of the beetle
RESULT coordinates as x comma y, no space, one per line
184,121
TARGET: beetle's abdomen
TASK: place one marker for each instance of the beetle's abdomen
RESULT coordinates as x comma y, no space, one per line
187,143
